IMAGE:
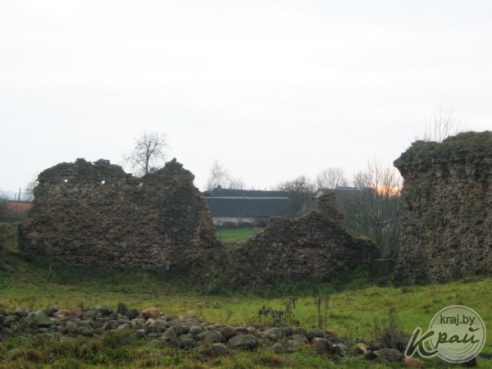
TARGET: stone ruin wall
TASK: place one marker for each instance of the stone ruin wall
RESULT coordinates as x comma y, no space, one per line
447,209
95,214
313,247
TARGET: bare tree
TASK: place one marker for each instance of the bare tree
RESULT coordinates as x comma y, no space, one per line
221,177
236,183
300,191
443,124
29,191
148,153
373,209
331,177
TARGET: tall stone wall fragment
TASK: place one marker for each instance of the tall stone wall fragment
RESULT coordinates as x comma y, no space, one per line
96,214
447,209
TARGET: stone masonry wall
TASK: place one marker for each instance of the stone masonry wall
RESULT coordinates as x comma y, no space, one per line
96,214
311,248
447,209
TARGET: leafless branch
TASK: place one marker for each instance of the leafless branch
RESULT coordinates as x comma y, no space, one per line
148,153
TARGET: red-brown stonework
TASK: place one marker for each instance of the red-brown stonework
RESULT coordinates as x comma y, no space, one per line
95,214
447,209
311,248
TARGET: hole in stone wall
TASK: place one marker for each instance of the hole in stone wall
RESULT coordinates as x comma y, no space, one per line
66,180
103,182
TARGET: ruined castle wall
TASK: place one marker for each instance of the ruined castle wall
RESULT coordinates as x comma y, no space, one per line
447,209
96,214
311,248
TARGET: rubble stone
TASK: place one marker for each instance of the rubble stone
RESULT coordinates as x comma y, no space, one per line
446,231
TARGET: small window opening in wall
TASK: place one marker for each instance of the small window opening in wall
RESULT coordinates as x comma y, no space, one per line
140,184
66,180
103,182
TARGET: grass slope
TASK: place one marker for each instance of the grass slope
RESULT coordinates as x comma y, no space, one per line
38,283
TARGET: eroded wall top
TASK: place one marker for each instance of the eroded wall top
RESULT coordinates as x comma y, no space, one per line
447,208
471,151
314,247
96,214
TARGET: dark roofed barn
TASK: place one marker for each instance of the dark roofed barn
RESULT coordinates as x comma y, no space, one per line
247,206
226,192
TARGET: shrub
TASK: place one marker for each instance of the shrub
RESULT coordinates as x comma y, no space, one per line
389,334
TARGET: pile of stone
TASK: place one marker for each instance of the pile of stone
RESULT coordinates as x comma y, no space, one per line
185,332
315,246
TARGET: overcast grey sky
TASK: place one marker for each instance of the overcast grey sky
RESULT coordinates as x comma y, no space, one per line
271,89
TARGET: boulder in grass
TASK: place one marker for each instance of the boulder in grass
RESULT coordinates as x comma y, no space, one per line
339,349
196,329
103,310
244,341
153,313
274,334
213,350
209,337
39,319
228,332
20,312
51,311
132,313
219,349
413,362
361,348
315,333
186,341
322,345
331,333
278,348
390,354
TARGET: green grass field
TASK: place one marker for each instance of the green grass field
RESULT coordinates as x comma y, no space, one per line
37,283
236,235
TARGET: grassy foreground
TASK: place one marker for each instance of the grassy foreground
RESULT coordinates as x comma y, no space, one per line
353,313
